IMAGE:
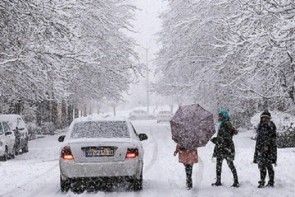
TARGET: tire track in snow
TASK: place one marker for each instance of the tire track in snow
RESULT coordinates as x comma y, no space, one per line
155,152
22,187
198,177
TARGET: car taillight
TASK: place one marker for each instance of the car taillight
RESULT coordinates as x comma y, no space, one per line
132,153
66,153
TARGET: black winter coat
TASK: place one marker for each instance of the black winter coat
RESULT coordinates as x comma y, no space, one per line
224,145
266,137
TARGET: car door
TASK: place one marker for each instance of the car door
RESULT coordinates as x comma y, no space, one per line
9,134
2,136
21,131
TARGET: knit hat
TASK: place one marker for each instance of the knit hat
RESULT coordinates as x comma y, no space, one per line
265,114
224,113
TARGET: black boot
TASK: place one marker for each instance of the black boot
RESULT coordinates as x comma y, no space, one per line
271,176
270,184
189,184
217,183
236,184
261,184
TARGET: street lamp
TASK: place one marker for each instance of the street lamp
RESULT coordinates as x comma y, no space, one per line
147,79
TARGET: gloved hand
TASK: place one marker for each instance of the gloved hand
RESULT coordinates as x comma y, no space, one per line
175,153
275,164
214,140
265,149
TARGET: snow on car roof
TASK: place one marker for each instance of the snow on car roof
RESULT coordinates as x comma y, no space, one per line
164,112
8,117
97,117
100,117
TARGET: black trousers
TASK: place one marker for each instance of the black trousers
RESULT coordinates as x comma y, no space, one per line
263,168
230,164
189,172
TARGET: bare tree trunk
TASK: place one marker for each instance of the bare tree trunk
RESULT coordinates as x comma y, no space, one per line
76,113
64,114
70,113
114,110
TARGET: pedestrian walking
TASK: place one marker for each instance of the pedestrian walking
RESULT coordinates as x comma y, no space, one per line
188,158
191,127
224,147
266,149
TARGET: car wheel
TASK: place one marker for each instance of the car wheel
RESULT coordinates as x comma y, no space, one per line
5,156
137,183
25,149
12,154
65,185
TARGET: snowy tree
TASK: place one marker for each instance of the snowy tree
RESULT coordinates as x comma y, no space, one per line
104,51
74,50
258,47
31,41
187,56
239,53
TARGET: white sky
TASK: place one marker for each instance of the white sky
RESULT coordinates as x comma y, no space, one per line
147,24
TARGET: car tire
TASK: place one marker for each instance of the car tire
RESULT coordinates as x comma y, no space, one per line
5,156
65,185
12,155
25,149
137,183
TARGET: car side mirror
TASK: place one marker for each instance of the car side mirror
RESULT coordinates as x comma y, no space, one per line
8,133
142,136
61,138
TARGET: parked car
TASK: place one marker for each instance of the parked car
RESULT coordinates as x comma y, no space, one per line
164,116
18,126
7,142
139,115
97,151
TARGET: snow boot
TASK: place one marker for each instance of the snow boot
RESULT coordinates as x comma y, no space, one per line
236,184
270,184
189,183
217,183
261,184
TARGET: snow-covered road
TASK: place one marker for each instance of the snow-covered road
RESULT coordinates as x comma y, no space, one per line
37,173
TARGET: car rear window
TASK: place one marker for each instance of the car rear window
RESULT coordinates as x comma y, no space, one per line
103,129
165,112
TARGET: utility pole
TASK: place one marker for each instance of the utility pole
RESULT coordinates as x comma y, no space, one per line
147,80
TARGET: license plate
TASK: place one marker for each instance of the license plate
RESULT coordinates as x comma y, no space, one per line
101,151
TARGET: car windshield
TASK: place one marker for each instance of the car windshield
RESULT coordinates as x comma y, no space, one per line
103,129
11,121
139,112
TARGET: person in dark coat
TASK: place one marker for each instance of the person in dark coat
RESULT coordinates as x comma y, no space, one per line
188,158
266,149
224,147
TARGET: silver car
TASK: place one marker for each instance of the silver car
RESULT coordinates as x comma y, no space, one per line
7,141
164,116
97,150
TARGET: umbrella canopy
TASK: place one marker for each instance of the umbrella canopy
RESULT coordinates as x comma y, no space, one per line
192,126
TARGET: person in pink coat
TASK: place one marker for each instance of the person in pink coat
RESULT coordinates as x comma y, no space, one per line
188,158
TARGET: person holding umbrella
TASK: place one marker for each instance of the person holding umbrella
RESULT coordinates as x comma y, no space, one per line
224,147
191,127
188,158
266,149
